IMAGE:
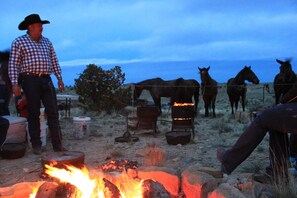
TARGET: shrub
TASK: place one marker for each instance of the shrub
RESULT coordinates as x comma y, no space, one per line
103,90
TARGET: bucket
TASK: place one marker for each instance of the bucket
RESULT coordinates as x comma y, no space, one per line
81,127
17,129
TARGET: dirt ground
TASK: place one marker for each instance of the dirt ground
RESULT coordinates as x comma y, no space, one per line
100,146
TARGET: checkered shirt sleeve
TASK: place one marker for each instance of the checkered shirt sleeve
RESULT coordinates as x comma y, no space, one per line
28,55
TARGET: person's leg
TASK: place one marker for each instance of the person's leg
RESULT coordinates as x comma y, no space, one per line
279,118
4,125
243,147
50,103
32,88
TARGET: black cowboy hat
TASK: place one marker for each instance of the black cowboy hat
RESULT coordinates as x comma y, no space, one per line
30,19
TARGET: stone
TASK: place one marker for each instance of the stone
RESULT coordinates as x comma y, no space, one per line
225,190
164,175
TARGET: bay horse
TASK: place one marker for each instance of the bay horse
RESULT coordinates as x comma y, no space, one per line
284,80
178,90
5,84
209,89
236,87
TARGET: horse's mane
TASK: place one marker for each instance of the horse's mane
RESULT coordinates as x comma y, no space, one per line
239,77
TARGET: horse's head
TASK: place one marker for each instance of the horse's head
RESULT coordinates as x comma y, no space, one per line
250,76
204,74
286,73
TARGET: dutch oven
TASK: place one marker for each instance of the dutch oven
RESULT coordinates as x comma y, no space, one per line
178,137
12,150
61,159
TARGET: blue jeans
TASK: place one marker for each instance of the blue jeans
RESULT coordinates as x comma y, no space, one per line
278,121
37,90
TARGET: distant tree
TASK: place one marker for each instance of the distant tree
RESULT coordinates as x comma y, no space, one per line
103,90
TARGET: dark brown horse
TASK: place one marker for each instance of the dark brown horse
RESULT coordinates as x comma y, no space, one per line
209,90
5,84
178,90
284,80
236,87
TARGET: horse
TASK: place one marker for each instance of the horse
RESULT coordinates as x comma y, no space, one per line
284,80
236,87
209,89
5,84
178,90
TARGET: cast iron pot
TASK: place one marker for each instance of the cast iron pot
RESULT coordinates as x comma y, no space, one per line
13,150
61,159
178,137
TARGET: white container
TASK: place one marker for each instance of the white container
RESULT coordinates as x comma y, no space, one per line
43,134
17,129
81,127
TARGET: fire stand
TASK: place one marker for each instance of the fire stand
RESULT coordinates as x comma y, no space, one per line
183,115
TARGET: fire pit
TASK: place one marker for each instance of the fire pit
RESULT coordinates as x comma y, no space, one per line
147,117
183,117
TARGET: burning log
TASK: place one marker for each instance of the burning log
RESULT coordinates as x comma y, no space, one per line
57,190
47,190
119,165
152,189
111,190
67,190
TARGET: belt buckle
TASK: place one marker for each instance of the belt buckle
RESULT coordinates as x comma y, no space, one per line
40,74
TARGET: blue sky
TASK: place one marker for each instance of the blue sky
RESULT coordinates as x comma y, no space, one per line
119,32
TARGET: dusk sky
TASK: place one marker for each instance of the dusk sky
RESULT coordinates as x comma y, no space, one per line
115,32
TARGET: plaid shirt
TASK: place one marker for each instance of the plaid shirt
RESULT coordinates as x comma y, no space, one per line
28,55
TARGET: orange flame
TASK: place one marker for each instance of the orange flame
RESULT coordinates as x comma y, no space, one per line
94,187
182,104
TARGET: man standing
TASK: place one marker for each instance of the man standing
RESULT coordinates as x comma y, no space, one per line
32,60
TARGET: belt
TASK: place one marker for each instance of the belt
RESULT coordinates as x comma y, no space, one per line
34,74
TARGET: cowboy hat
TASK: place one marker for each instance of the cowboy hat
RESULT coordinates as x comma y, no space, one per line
30,19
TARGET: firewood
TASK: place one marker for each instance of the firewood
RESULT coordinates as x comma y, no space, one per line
111,190
47,190
153,189
67,190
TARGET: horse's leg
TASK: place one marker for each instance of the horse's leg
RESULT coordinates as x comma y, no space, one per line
231,103
236,104
213,107
157,101
243,103
196,98
277,96
206,105
243,97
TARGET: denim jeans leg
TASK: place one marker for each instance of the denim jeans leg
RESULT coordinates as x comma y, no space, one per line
49,100
32,89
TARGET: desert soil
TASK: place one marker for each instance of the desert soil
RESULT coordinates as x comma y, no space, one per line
100,146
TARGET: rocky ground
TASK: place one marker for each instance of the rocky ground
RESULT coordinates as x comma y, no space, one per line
100,147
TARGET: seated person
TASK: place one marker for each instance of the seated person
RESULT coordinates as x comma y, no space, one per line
4,125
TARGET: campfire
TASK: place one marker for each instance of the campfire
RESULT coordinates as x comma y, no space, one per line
73,182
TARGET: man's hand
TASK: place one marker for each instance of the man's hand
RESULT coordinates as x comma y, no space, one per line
16,89
60,85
